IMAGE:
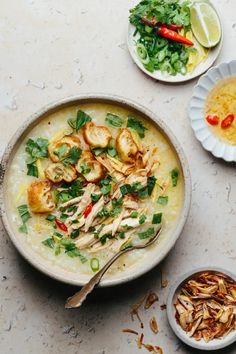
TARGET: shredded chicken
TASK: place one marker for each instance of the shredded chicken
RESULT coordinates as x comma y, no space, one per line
96,208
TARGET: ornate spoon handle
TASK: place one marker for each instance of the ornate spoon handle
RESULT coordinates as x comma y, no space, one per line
78,298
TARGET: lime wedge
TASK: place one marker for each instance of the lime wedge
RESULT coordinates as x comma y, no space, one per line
205,24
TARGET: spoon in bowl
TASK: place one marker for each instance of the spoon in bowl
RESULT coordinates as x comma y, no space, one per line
78,298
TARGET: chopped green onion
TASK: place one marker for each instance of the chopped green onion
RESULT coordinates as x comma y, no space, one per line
121,234
106,189
51,217
174,176
75,233
145,234
157,218
134,214
142,53
98,151
95,197
142,219
163,200
151,184
94,264
125,189
111,151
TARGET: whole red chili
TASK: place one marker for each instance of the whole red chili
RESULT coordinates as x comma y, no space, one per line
212,119
172,35
227,122
152,23
61,225
88,210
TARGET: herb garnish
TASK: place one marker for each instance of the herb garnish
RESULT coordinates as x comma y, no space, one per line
49,242
25,216
51,217
70,191
69,247
84,168
136,125
81,119
105,185
72,157
95,197
145,234
174,176
61,150
94,264
114,120
142,219
136,188
134,214
157,218
36,149
75,233
163,200
151,184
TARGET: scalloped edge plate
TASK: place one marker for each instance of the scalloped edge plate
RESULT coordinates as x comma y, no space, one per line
202,131
158,75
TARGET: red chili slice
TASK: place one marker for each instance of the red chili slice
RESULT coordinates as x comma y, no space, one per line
227,122
212,119
61,225
88,210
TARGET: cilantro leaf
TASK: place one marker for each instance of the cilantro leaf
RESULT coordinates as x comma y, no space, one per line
114,120
81,119
25,216
72,157
136,125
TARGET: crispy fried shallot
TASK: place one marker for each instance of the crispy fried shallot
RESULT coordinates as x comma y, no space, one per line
151,298
128,330
206,306
153,325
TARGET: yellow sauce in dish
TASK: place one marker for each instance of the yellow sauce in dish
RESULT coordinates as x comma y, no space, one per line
222,102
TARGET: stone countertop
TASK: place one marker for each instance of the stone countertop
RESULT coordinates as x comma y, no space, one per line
51,49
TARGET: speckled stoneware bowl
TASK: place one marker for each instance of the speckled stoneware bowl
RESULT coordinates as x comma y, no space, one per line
163,245
202,131
214,344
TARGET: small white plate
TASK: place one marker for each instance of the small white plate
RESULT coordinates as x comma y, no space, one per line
202,131
158,75
214,344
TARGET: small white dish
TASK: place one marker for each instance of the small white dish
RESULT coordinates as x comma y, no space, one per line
165,77
202,131
214,344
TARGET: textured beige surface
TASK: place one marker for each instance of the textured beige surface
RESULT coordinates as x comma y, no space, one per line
54,48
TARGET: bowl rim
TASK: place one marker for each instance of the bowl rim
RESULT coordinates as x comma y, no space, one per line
227,148
179,332
112,99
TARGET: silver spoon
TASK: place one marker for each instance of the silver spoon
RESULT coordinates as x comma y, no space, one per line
78,298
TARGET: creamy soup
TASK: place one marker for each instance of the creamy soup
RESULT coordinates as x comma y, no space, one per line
100,178
221,107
